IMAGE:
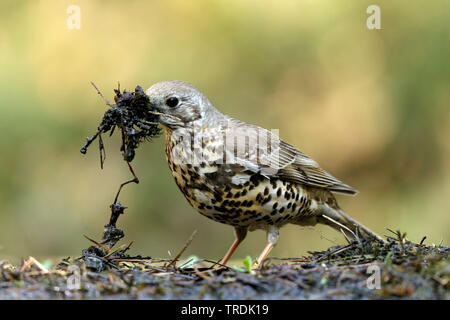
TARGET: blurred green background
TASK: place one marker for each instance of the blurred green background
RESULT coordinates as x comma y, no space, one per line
371,106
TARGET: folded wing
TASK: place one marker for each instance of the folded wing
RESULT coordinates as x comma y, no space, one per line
261,151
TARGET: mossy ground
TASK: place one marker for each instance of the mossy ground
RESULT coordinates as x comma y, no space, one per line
406,270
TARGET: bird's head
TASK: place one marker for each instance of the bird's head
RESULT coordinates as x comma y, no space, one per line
180,101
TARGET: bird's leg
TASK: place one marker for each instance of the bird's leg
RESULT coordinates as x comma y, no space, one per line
269,246
272,239
240,234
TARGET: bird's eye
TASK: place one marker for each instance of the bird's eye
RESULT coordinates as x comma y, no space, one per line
172,102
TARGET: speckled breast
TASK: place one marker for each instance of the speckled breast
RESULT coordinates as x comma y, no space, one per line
253,201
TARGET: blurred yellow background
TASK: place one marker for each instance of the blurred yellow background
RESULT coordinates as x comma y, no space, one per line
371,106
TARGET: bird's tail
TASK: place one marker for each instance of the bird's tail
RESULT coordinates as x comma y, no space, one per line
341,221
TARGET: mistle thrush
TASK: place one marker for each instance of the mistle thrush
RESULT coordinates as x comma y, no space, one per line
242,175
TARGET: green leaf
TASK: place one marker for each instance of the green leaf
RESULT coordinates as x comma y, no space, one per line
47,264
240,269
388,260
248,263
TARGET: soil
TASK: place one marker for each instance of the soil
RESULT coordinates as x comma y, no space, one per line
406,270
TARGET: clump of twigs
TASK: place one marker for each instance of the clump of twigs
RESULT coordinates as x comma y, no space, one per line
137,121
135,118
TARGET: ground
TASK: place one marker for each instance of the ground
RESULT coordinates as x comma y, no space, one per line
399,269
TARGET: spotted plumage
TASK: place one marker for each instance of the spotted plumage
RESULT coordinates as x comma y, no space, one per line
242,175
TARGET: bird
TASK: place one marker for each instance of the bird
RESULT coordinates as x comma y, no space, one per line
243,175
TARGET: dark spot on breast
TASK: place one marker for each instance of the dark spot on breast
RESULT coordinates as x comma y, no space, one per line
294,206
266,191
302,200
259,197
254,179
279,192
287,196
234,215
217,196
281,210
273,182
237,195
231,210
275,205
244,192
266,200
274,212
220,209
252,213
211,175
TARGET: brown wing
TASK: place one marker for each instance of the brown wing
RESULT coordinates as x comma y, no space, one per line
260,150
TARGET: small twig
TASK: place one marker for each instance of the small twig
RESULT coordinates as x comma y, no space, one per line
101,95
96,243
122,248
338,250
423,239
31,261
135,180
165,115
201,274
188,242
341,225
184,264
102,150
345,236
217,263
